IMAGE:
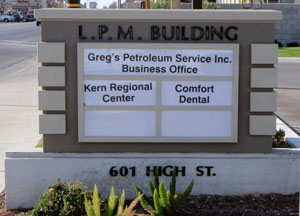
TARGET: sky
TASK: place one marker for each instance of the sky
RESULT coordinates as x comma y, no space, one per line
100,3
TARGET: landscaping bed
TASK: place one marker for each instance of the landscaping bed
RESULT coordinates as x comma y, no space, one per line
205,205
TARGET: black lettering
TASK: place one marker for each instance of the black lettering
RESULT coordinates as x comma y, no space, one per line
200,171
182,99
106,98
155,35
172,69
182,171
102,29
226,60
230,36
177,33
178,88
151,171
123,171
164,33
91,57
87,87
164,171
207,30
113,171
209,168
80,34
215,32
194,35
124,68
183,37
124,35
132,171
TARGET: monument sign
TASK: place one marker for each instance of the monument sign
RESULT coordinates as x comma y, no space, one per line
146,89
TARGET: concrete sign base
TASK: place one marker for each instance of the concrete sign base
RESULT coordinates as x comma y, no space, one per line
29,174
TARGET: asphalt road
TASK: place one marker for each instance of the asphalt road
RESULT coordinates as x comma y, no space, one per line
18,42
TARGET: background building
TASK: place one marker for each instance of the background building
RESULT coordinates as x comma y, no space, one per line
93,4
20,5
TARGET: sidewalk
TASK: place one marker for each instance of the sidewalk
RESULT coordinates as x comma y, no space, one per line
19,112
287,60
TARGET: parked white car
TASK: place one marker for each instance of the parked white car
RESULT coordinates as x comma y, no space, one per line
5,18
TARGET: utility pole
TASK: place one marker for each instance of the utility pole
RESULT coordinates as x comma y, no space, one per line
147,4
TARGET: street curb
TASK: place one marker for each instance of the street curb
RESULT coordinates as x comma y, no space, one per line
288,60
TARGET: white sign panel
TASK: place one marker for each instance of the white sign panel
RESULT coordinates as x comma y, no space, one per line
196,123
158,93
158,62
119,93
196,93
119,123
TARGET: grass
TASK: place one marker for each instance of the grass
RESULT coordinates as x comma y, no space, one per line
40,143
293,52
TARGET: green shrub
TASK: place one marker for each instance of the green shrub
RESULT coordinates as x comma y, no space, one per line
163,203
293,44
278,139
160,4
62,200
207,5
280,134
279,43
115,206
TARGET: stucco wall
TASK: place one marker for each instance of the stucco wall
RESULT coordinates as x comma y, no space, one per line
288,29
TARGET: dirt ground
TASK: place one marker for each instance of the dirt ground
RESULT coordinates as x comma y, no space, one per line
8,213
263,205
250,205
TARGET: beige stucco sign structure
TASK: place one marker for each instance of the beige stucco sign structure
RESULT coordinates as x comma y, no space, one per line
157,81
144,89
